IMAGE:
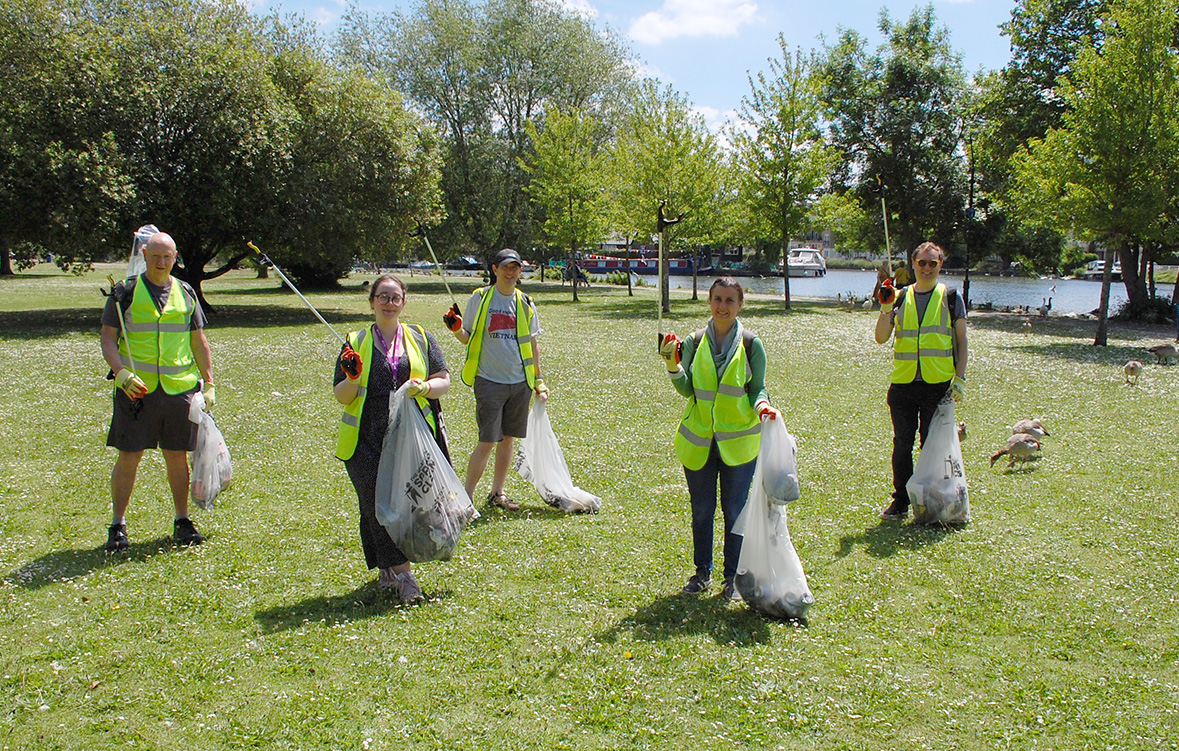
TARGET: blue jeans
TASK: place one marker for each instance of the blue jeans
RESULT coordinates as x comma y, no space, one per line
734,489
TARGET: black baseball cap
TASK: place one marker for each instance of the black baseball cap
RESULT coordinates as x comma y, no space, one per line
507,255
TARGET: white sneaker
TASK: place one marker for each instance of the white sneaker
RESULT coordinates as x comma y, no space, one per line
407,588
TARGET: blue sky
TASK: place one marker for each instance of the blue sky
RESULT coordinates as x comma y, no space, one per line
706,48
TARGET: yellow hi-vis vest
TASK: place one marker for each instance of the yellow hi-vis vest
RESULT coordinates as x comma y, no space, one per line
719,411
159,340
415,347
930,342
523,337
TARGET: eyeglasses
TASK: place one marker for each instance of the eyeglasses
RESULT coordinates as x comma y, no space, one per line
926,263
385,299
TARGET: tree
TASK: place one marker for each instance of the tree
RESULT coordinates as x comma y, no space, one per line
664,152
480,72
1107,170
781,157
567,180
361,170
1019,103
62,175
894,115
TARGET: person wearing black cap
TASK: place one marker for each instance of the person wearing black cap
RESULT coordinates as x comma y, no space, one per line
502,366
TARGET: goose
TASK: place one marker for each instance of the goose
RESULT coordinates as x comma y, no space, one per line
1132,369
1019,447
1033,426
1164,353
1045,307
1026,326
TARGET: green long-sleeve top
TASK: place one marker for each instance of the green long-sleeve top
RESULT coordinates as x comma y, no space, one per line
682,380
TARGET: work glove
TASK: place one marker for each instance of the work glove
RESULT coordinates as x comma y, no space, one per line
766,412
452,319
131,384
210,394
958,389
669,350
417,387
542,391
886,295
351,363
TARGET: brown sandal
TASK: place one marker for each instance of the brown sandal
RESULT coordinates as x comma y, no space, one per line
501,500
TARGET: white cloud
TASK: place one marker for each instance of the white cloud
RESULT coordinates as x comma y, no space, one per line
692,18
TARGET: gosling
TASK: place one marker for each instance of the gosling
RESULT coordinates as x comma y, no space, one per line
1132,369
1033,427
1019,447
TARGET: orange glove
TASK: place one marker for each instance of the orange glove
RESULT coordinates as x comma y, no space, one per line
766,412
351,363
452,319
886,294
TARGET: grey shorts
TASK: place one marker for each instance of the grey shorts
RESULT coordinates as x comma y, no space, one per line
158,420
501,409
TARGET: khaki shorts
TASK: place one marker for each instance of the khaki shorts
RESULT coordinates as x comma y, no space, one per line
158,420
501,409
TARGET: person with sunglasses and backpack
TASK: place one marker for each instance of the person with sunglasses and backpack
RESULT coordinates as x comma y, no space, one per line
929,360
721,370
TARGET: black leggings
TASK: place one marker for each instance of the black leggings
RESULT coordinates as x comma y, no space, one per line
912,406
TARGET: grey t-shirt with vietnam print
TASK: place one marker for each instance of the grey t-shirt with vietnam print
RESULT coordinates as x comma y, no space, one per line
500,359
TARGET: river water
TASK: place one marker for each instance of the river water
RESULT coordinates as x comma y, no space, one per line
1068,295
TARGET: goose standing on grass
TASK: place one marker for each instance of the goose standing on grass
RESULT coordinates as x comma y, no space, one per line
1019,447
1164,353
1132,369
1026,326
1045,307
1033,427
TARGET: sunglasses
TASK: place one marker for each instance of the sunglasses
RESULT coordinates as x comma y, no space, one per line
926,263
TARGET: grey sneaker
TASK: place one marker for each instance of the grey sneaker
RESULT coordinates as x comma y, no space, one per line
387,579
408,589
116,538
697,584
184,532
730,590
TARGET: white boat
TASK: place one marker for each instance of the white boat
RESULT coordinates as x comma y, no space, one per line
1095,269
806,262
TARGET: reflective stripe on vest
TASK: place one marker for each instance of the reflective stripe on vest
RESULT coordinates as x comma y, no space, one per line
930,342
718,411
415,347
523,337
160,340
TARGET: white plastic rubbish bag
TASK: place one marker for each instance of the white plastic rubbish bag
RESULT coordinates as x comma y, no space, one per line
778,458
937,489
137,263
541,462
769,572
420,500
212,470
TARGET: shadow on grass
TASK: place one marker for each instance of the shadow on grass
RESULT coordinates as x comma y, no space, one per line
888,538
68,564
366,601
489,513
680,614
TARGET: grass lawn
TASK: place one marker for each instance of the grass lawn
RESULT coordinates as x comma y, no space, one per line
1049,622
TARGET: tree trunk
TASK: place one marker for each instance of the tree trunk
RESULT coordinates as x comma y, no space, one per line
1133,259
695,295
786,270
1101,339
6,258
630,292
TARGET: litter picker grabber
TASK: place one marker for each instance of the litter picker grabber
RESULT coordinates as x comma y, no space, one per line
663,223
273,265
421,232
881,189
